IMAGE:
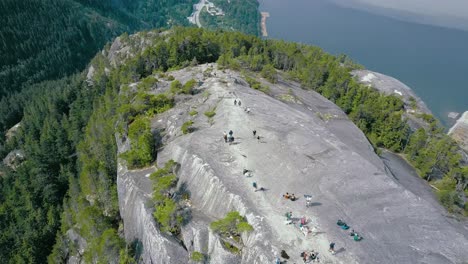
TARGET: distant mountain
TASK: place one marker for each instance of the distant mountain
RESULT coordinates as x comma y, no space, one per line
41,40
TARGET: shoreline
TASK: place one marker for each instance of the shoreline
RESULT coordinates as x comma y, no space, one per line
265,15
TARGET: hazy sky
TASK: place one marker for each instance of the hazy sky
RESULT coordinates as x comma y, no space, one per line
448,13
458,8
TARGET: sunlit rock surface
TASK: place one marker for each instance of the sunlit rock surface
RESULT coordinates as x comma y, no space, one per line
307,146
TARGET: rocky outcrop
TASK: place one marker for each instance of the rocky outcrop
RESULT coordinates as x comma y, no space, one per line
306,146
459,131
79,243
388,85
12,131
14,159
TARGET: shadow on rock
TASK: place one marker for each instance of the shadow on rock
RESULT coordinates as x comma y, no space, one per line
182,195
340,250
136,248
314,204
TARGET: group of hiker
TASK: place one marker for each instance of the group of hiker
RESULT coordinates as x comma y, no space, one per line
344,226
229,138
291,197
311,256
307,256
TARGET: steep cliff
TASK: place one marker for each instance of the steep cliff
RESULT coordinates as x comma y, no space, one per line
307,145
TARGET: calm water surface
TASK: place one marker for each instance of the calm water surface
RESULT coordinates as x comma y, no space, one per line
433,61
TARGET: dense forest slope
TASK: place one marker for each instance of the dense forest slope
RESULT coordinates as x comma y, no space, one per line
65,192
41,40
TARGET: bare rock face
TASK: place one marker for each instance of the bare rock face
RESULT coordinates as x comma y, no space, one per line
12,131
306,146
459,131
14,159
80,243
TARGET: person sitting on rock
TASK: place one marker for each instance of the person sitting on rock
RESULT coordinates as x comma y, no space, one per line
313,255
286,196
357,237
332,248
288,215
293,197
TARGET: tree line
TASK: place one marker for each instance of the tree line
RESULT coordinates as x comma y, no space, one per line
44,40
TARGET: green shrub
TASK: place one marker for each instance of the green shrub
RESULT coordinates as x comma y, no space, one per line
254,84
147,83
142,143
170,78
232,225
448,199
188,87
176,86
268,72
147,104
210,113
193,113
197,256
186,127
166,215
446,183
233,249
167,210
159,103
413,103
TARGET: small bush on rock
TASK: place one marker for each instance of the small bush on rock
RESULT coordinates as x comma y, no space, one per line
187,127
232,225
142,143
168,213
210,113
197,256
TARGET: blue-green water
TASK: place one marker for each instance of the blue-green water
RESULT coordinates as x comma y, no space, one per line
432,60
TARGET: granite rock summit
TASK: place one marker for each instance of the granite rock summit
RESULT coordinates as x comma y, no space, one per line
307,146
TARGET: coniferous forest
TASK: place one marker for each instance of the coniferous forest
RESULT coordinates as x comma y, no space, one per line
42,40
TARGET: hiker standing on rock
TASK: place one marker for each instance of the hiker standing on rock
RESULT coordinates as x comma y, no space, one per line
239,103
332,248
258,138
254,132
254,184
225,137
235,102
